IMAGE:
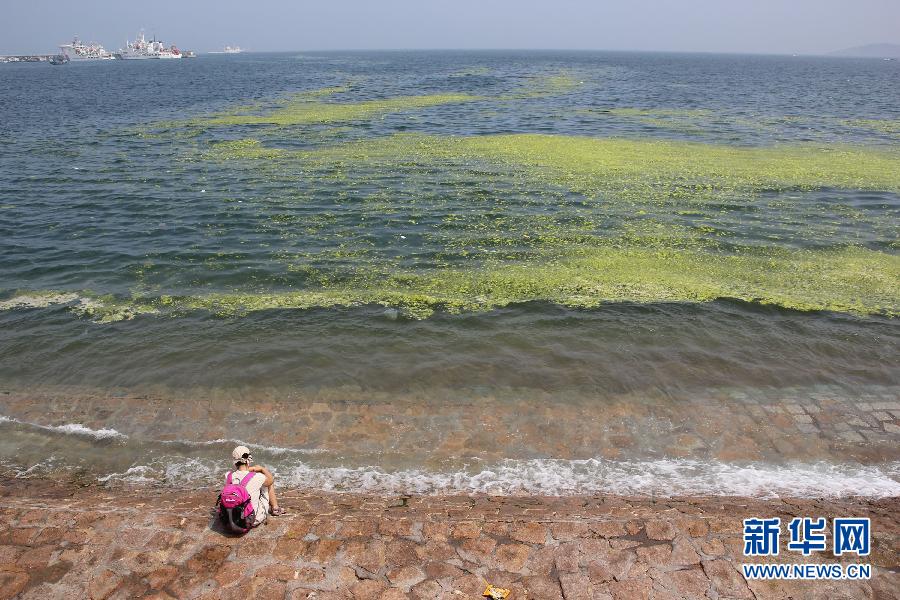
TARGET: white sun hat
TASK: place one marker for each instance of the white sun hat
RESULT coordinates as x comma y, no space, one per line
241,454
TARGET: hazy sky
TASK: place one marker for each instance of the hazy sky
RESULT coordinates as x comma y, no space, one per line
759,26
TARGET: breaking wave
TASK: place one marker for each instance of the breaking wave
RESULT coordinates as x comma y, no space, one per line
199,464
72,429
663,477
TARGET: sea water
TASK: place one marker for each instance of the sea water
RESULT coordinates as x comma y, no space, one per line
493,272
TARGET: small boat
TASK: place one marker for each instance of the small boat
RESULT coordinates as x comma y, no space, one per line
58,59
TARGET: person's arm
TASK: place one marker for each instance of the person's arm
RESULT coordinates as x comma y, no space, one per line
270,479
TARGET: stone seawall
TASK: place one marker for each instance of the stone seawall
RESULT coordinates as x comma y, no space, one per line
62,540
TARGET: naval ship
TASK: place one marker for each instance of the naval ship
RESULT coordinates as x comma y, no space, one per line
78,50
141,49
228,50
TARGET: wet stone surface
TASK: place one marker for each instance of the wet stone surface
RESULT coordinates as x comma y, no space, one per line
58,540
812,423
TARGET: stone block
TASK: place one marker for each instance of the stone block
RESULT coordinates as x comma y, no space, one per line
567,532
230,573
683,553
103,584
368,589
279,572
368,555
35,558
477,550
690,583
610,529
576,586
660,530
567,558
466,530
440,570
529,533
541,588
11,584
436,530
405,577
712,547
351,529
468,586
511,557
694,527
401,552
631,589
655,555
725,579
599,573
435,550
428,590
162,576
8,556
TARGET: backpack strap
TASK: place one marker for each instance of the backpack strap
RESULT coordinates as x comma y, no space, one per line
228,478
246,479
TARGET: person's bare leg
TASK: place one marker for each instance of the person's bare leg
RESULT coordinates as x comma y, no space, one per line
273,499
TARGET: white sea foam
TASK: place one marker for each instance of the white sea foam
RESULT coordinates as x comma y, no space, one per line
105,433
79,429
662,477
273,450
71,429
134,475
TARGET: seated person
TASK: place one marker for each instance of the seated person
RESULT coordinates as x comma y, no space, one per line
261,486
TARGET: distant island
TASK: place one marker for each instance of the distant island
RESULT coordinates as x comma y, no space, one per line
871,51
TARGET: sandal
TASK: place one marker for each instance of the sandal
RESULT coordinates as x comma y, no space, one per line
277,512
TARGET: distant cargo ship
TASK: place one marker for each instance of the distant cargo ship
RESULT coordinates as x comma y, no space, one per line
141,49
228,50
78,50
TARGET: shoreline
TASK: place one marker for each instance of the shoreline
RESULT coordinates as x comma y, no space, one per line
790,442
61,539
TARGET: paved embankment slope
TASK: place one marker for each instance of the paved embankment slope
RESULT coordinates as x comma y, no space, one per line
61,540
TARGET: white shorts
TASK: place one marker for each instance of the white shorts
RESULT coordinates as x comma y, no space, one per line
262,510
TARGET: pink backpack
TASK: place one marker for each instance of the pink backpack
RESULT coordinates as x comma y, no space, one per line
234,506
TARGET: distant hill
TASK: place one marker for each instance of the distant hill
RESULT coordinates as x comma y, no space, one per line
871,51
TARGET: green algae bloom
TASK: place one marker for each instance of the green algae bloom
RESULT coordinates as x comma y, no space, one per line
101,309
852,280
689,121
637,168
297,109
886,126
527,199
425,222
302,111
546,85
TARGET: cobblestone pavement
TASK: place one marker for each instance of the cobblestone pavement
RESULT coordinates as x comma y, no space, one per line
59,540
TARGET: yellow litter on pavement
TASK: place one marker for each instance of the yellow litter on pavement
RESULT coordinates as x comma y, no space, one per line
495,593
